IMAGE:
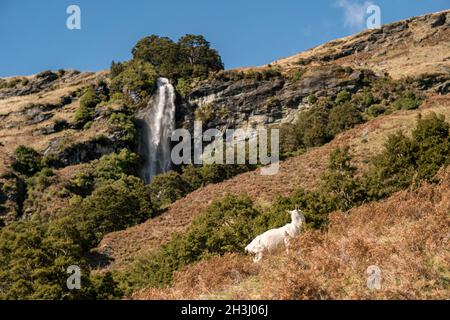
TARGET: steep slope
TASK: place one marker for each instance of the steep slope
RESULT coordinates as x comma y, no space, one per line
407,48
365,141
28,112
417,47
406,236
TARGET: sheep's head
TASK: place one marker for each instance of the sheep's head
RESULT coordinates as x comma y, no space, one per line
297,216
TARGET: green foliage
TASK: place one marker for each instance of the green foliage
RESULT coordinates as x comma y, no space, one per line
85,112
114,205
190,57
312,99
116,69
432,139
26,160
326,118
34,257
311,127
408,160
82,184
60,124
364,99
343,117
297,74
343,96
122,125
340,181
47,75
108,168
376,110
136,77
226,226
112,166
168,187
184,86
408,101
42,180
197,57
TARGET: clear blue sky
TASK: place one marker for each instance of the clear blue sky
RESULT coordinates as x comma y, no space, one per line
34,37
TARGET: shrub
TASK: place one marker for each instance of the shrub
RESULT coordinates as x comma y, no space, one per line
47,75
114,205
311,127
114,165
26,160
343,96
343,117
407,161
408,101
123,126
137,77
168,187
432,139
312,99
85,112
376,110
108,168
297,74
184,87
60,124
34,257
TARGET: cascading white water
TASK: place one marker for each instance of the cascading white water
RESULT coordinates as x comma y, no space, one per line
160,123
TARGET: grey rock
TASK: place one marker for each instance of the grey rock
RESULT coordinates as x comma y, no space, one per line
438,21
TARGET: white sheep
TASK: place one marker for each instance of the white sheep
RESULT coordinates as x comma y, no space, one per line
275,238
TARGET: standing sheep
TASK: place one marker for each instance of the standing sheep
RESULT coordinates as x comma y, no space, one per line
275,238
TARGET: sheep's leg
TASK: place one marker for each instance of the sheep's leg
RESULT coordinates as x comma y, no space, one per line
257,257
286,243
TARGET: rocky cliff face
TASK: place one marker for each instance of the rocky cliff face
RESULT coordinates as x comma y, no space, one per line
267,98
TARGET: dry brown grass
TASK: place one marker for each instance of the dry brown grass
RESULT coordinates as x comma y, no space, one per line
204,278
407,236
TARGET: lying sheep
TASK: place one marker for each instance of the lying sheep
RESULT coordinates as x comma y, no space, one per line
275,238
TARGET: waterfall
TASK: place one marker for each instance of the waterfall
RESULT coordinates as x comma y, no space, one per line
158,124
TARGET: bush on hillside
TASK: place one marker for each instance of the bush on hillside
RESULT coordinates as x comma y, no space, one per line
26,160
113,206
136,78
85,112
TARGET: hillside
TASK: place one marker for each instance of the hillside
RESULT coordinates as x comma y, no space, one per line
407,48
304,171
401,235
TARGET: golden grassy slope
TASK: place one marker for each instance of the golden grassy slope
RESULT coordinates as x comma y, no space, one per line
15,131
407,236
417,50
